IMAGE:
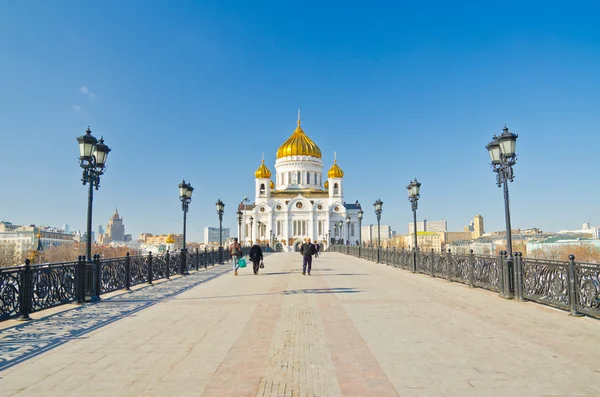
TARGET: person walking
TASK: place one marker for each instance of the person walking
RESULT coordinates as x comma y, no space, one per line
236,253
256,256
317,250
307,250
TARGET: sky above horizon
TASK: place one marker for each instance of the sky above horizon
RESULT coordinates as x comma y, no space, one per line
199,90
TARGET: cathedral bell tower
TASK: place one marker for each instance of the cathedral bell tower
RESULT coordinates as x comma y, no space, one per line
334,180
264,185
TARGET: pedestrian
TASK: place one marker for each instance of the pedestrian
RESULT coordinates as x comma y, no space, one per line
317,250
256,256
236,254
307,250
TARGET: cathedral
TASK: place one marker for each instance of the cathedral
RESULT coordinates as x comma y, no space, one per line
302,202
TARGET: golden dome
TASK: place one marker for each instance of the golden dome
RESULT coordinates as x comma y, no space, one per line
272,185
326,185
299,145
262,171
170,239
335,171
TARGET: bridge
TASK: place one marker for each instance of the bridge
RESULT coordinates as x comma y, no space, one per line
353,328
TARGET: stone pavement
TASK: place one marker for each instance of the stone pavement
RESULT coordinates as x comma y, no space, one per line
353,328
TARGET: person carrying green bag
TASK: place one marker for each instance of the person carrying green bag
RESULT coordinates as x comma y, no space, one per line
236,254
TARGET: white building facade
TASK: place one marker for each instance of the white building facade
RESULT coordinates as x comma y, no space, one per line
303,202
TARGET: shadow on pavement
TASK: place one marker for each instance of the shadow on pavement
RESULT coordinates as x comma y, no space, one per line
321,291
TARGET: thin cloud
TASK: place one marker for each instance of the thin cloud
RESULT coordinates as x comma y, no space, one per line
77,108
87,92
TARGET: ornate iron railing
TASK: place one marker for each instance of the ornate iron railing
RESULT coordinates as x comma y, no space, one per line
567,285
29,288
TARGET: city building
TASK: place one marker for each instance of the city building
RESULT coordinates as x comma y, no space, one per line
301,203
428,226
174,241
478,226
558,242
66,227
115,231
211,234
369,234
586,229
24,239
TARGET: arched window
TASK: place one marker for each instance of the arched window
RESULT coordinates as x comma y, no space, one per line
262,188
336,188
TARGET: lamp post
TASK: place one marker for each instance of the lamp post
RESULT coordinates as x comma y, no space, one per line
239,218
329,237
378,209
92,159
414,188
502,150
348,229
244,200
271,239
360,218
185,195
251,226
220,210
341,228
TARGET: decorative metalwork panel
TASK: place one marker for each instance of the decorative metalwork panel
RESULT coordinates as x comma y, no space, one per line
52,285
587,284
487,272
424,263
159,267
440,266
175,263
139,270
113,274
10,285
546,282
459,268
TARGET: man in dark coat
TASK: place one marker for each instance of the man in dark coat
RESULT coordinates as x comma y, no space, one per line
256,256
307,250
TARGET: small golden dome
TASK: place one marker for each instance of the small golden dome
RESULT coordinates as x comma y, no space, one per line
262,171
326,185
272,185
170,239
335,171
299,145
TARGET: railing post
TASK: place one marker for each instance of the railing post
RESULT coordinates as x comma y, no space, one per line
80,279
127,272
471,269
197,259
505,282
168,263
414,264
150,274
359,247
183,261
205,257
449,265
518,275
432,262
25,290
572,288
96,274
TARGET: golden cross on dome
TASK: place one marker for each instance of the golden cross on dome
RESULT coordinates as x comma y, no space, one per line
335,157
298,117
263,157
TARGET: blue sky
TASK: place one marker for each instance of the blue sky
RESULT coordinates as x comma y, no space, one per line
199,89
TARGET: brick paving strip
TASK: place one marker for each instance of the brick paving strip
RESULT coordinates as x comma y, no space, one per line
30,339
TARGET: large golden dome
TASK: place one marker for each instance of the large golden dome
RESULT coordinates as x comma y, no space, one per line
299,145
262,171
335,171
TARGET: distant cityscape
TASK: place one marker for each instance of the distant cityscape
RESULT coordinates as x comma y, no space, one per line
17,241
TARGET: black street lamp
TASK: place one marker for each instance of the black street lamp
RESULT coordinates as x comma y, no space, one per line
329,237
414,188
220,211
502,152
271,238
378,209
341,228
92,159
348,220
185,195
239,218
251,226
360,218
